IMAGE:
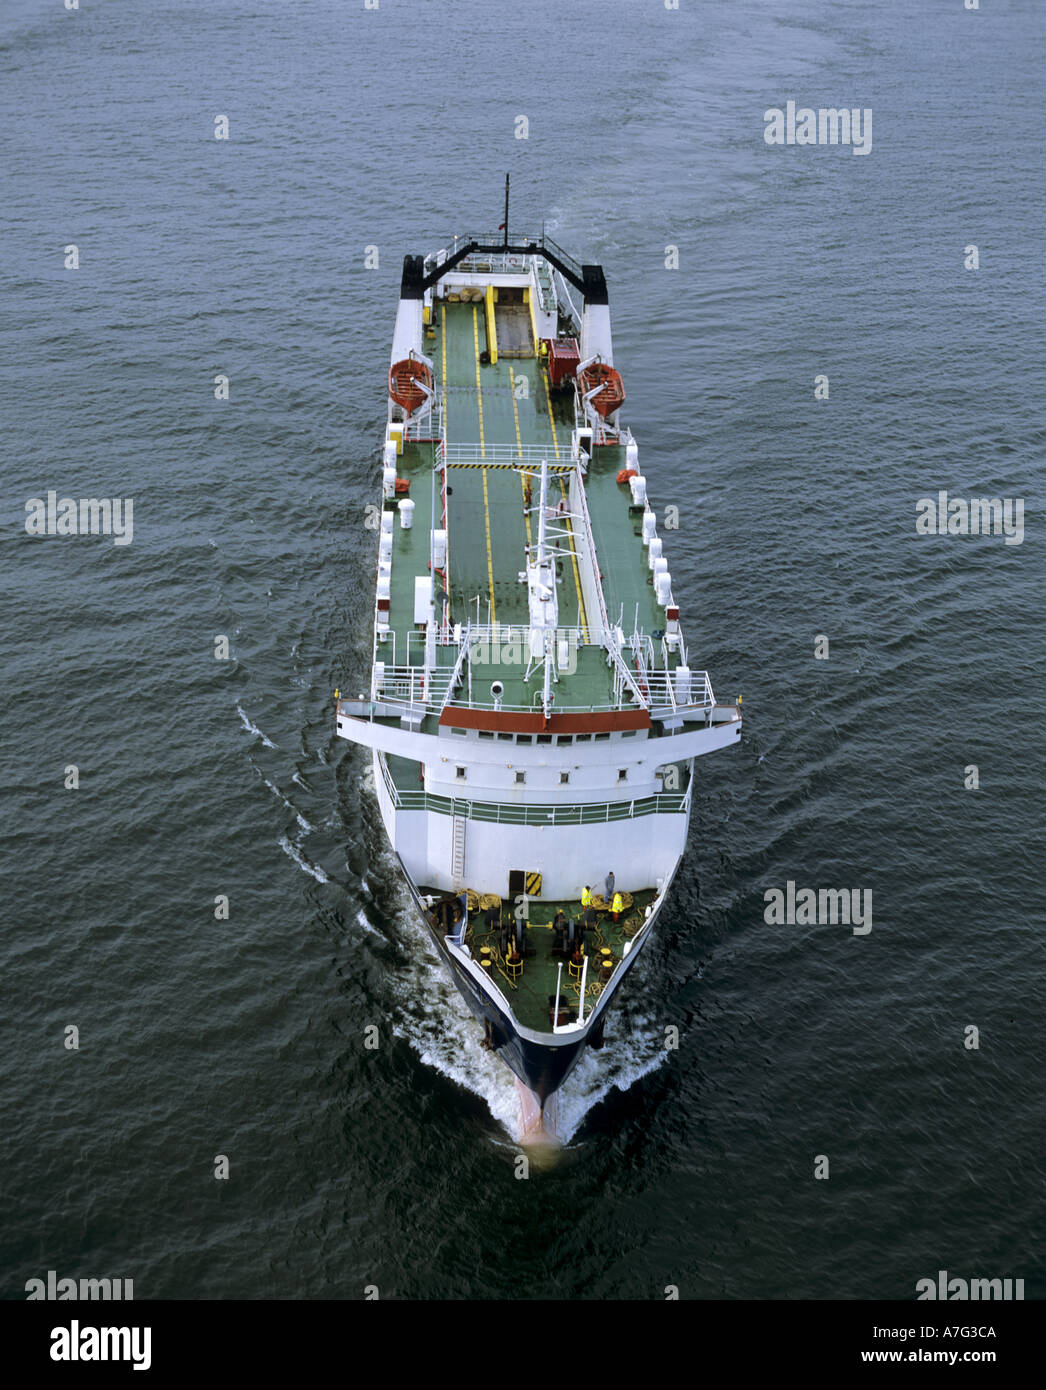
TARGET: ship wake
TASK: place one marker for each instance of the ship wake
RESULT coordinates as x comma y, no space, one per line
435,1021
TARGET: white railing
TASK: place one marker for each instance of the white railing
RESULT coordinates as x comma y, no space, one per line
546,285
490,263
581,813
390,785
458,668
427,688
661,691
526,456
590,542
413,686
426,425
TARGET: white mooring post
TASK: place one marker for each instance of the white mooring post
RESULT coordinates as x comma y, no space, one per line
581,1002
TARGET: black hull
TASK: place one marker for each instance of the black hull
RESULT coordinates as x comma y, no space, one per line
542,1067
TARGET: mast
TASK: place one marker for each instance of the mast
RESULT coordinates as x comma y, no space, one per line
506,212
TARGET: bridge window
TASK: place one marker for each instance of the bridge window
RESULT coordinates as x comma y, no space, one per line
460,772
564,778
521,776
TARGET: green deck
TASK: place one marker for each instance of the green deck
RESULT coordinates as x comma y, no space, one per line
627,579
507,403
498,409
528,994
482,403
410,549
487,405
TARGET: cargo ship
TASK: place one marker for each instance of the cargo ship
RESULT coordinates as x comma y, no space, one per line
534,712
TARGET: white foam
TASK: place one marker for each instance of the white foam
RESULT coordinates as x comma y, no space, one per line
436,1022
617,1066
253,728
304,864
289,804
366,923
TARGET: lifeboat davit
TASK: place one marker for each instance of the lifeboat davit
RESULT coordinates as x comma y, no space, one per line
404,379
611,396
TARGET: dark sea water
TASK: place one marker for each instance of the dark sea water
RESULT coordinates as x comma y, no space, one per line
244,1037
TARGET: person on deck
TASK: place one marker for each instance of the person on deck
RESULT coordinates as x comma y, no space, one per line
609,885
617,907
559,929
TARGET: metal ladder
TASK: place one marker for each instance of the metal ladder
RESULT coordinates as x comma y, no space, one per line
457,853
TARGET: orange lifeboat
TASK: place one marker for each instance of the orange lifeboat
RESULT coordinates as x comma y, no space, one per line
404,378
611,396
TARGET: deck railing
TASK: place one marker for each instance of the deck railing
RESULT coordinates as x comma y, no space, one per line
504,813
546,286
590,542
493,240
427,425
662,695
526,456
492,263
420,689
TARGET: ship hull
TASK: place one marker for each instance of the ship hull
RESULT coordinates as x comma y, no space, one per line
519,753
541,1066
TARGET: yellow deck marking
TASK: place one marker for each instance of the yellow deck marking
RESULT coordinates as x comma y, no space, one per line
483,452
479,384
519,446
548,400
